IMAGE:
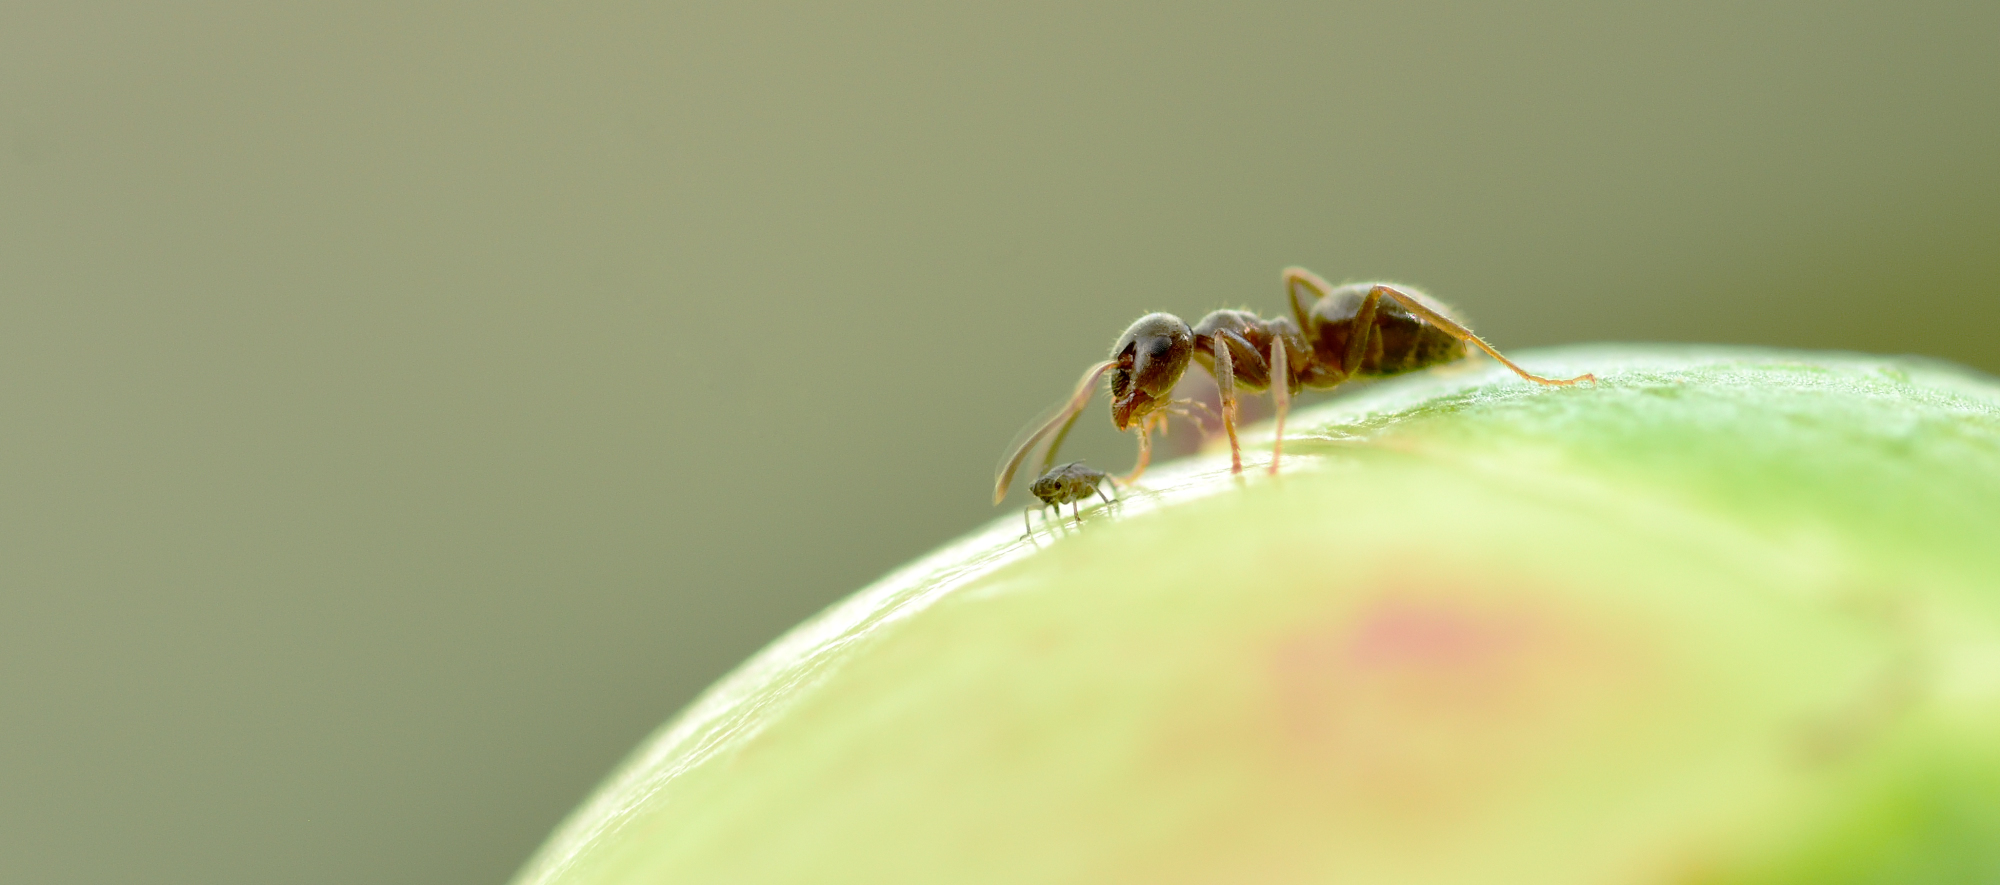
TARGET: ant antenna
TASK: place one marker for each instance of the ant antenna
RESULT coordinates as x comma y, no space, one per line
1059,424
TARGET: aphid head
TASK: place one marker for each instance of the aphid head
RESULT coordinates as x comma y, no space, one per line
1150,358
1054,487
1048,488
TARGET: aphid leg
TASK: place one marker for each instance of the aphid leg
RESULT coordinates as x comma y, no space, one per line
1423,307
1076,513
1059,425
1025,524
1108,500
1281,397
1225,384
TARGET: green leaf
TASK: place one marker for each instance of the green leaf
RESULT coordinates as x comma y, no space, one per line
1726,616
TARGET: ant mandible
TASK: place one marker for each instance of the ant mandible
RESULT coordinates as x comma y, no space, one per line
1359,330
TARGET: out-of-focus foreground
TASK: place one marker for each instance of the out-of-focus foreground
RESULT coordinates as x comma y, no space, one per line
404,410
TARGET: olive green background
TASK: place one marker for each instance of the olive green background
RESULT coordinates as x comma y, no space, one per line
404,410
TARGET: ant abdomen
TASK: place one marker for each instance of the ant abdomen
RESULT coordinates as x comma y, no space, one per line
1399,341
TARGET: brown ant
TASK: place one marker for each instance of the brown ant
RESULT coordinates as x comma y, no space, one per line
1359,330
1067,484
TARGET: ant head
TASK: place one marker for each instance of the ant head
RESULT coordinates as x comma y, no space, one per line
1149,358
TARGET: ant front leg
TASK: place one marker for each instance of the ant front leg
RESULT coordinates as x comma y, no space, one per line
1434,313
1145,453
1234,359
1225,384
1145,430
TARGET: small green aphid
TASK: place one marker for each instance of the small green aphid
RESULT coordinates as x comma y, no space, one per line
1066,484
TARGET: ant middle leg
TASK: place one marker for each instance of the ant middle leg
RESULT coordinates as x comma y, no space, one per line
1281,398
1236,360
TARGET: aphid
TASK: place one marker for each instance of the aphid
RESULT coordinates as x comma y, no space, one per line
1360,330
1066,484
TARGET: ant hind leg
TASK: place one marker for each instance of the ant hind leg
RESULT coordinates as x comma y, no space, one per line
1433,313
1297,278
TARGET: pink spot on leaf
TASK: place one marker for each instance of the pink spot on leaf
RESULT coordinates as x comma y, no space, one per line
1409,633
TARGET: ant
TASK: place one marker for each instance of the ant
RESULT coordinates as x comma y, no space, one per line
1359,330
1067,484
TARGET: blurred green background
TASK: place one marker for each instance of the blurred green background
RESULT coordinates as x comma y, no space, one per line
404,410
